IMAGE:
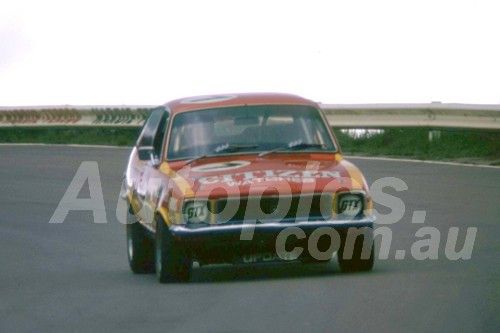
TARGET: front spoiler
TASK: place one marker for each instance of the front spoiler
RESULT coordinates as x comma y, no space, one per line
229,243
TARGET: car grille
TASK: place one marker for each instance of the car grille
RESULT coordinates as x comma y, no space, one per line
274,208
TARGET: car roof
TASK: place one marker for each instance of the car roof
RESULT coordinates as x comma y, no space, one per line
227,100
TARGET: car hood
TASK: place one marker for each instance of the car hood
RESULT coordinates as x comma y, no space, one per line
283,174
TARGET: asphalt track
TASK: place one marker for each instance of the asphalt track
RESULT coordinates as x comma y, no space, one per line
74,276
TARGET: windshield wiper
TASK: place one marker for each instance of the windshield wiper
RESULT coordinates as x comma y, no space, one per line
225,148
294,145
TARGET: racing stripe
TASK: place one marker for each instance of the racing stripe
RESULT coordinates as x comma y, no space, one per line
180,181
164,213
357,179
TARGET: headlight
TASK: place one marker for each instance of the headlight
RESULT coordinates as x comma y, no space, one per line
196,212
350,204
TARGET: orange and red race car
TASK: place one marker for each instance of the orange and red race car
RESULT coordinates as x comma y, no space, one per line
243,178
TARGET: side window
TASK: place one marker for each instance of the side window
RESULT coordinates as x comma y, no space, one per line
160,135
153,131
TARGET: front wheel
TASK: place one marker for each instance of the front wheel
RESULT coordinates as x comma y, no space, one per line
139,247
171,261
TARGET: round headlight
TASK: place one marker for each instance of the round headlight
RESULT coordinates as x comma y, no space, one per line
196,212
350,205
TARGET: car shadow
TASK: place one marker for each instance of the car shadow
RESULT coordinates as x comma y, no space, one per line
267,271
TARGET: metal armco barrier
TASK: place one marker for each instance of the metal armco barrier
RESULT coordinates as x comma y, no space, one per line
339,115
437,115
117,116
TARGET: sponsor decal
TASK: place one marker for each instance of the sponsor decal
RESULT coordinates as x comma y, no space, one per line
262,176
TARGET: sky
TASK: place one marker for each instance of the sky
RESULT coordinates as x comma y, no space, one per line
148,52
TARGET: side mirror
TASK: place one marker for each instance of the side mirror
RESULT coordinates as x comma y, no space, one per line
145,152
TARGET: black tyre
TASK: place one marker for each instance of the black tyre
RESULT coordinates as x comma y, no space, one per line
171,261
358,262
140,247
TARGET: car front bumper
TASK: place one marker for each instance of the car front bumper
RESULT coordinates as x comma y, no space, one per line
227,243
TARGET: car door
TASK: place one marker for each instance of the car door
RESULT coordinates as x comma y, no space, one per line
150,152
148,148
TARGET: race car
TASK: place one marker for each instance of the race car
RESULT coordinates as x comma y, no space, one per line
243,178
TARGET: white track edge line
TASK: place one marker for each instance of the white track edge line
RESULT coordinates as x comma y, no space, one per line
64,145
406,160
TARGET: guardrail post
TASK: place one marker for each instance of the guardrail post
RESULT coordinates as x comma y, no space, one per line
434,135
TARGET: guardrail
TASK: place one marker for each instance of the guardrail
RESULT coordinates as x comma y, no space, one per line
437,115
339,115
116,116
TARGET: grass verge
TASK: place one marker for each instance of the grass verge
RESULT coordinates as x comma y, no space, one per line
471,146
113,136
448,144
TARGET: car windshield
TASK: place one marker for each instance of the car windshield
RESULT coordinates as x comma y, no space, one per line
250,129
